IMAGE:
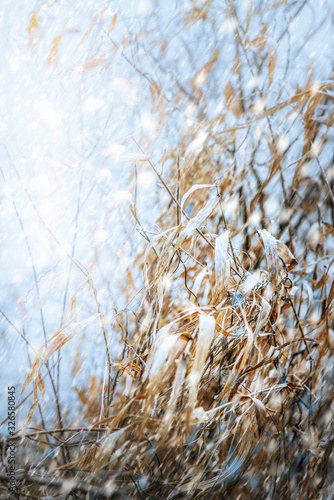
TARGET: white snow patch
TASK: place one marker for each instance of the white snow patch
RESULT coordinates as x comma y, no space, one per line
47,113
93,104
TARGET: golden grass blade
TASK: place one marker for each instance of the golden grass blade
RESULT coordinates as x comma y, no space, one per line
222,266
206,330
176,391
259,41
65,334
53,57
244,354
272,55
61,337
30,413
40,383
264,313
272,6
112,23
261,414
31,373
164,345
198,284
92,24
33,30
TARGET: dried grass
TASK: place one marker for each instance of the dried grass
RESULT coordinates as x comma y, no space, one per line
225,385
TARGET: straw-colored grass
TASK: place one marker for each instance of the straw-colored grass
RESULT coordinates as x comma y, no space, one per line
224,388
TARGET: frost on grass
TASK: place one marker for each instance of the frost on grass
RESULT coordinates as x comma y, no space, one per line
167,234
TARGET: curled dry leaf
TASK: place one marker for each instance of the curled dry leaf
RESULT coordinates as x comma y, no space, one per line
194,188
198,220
284,252
270,248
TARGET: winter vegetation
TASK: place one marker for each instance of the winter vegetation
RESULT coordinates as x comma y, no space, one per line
167,220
